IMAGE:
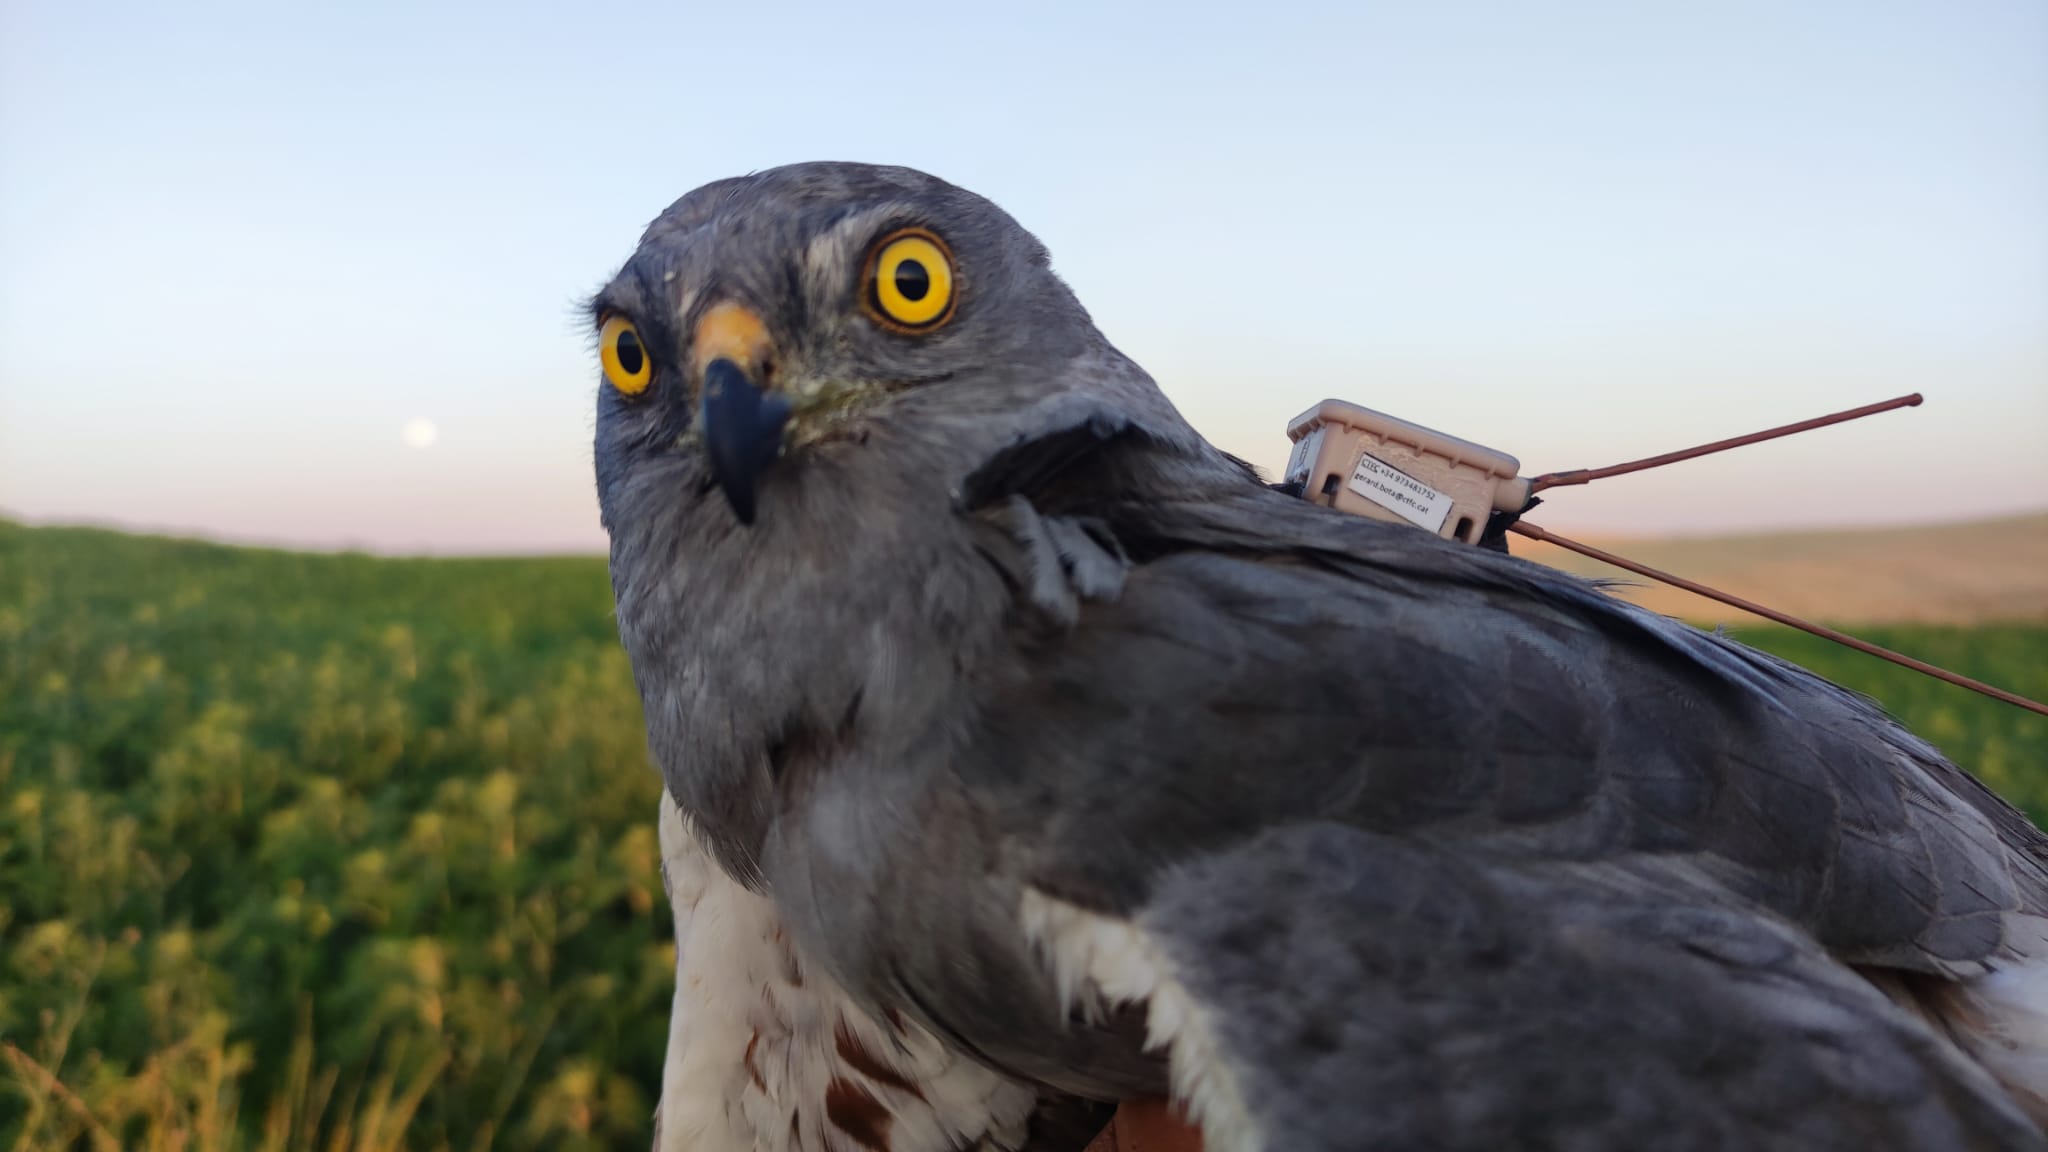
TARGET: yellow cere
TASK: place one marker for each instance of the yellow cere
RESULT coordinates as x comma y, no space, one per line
625,359
911,281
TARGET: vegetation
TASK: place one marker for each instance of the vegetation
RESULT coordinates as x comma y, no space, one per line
304,851
335,852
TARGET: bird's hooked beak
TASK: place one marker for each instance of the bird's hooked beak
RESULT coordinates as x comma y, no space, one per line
741,412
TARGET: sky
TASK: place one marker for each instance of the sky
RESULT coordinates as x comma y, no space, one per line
307,274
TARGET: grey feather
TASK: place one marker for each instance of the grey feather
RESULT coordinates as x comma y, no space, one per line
1004,621
1383,993
1407,684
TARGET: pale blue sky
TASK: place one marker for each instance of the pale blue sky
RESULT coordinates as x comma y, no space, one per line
241,246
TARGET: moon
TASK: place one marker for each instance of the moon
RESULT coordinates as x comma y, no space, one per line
420,433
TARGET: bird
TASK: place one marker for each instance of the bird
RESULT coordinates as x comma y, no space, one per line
1023,753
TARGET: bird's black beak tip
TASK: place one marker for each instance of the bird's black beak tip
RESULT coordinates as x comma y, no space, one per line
742,432
742,503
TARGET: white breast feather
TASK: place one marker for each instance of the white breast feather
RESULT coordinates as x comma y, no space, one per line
2001,1020
766,1054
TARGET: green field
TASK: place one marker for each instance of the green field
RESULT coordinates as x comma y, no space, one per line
328,851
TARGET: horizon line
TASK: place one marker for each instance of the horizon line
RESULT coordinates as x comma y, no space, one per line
8,517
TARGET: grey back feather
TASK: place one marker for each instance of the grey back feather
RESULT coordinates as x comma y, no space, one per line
1384,993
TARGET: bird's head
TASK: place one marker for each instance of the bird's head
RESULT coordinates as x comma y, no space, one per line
800,370
772,316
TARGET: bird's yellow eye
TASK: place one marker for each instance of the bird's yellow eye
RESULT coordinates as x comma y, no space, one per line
910,281
625,359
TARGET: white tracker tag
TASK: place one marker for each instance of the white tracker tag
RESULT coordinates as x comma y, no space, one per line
1400,493
1303,458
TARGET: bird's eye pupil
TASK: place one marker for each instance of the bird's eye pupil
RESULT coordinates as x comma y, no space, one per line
912,280
628,351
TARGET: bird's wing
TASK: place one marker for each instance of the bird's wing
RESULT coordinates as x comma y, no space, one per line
1323,987
1196,659
1193,664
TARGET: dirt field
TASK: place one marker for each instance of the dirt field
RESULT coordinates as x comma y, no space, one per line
1993,570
